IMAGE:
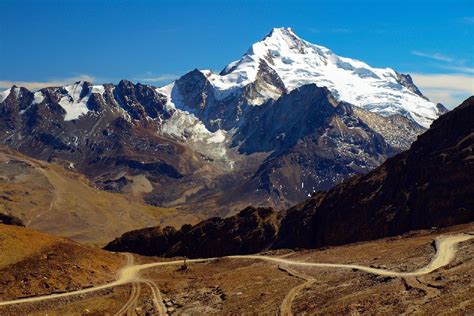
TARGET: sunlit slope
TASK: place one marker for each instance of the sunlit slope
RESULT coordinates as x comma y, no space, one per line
50,198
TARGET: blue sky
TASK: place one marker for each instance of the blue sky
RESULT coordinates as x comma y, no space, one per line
53,42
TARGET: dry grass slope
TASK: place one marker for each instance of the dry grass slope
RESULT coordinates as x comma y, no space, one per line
51,198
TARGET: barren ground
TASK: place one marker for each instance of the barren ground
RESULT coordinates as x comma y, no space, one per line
52,198
230,286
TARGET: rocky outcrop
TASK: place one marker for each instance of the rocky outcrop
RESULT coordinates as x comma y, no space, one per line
267,85
248,231
280,124
194,92
407,81
9,219
141,101
441,108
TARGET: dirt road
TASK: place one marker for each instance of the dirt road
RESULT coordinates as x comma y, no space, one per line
445,251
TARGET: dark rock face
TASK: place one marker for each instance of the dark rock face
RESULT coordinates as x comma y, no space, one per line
267,81
198,95
281,124
8,219
407,81
431,184
150,241
441,108
248,231
141,101
316,142
10,107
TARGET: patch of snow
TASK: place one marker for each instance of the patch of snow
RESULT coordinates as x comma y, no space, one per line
38,97
217,137
172,96
72,103
4,94
183,122
186,127
17,92
100,89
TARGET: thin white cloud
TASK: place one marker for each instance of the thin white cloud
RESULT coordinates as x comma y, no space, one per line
35,85
435,56
449,89
158,78
460,82
463,69
449,98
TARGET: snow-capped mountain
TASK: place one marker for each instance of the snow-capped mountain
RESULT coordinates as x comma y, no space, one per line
287,119
296,62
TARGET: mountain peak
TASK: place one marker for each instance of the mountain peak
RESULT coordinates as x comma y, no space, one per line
298,62
281,41
281,31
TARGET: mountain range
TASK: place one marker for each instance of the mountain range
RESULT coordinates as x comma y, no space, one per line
289,118
426,187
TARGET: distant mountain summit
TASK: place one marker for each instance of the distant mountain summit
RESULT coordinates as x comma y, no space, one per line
282,62
286,120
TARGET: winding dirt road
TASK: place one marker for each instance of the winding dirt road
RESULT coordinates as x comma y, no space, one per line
445,252
285,306
128,307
